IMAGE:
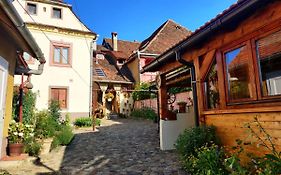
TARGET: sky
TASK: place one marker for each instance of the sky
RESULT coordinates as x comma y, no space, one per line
138,19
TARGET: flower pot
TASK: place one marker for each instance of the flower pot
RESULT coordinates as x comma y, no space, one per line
46,146
15,149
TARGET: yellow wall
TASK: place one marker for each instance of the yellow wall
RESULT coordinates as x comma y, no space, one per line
134,67
8,52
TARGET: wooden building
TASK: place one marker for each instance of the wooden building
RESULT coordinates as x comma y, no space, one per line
236,63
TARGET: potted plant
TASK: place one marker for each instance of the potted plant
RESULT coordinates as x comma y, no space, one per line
182,106
109,96
17,134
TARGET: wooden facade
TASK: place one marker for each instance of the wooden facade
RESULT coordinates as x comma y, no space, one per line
238,75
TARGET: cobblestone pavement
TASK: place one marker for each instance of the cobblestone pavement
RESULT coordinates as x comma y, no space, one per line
129,147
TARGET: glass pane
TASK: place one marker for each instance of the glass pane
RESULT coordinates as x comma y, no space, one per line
269,57
238,74
56,13
31,8
56,55
26,56
212,88
65,58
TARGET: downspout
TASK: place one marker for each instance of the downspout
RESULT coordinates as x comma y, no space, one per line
16,19
193,83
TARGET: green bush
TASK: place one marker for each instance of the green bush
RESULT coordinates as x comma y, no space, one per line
142,92
86,122
28,106
63,137
207,160
145,113
32,148
54,110
194,138
45,126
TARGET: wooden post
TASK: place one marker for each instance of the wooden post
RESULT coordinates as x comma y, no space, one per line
163,98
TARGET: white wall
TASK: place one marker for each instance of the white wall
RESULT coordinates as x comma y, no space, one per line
68,20
76,77
171,129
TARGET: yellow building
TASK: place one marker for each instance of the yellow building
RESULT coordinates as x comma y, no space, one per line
15,39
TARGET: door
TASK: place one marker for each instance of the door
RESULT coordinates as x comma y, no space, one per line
3,85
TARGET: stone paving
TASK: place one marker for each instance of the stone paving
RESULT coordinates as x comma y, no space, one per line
125,147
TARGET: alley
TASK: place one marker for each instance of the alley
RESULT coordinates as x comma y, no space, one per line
119,147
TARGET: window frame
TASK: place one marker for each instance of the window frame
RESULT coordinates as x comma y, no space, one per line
67,95
55,44
61,12
252,88
257,65
36,8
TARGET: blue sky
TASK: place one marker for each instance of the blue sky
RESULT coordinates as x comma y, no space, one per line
137,19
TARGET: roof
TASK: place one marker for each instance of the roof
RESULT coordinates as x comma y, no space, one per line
166,36
235,13
11,12
127,47
112,73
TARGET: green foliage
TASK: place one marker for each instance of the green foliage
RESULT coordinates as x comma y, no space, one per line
142,92
176,90
145,113
207,160
194,138
54,110
63,137
28,107
32,147
46,125
19,132
86,122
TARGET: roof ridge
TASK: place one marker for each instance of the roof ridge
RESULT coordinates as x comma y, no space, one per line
158,30
125,40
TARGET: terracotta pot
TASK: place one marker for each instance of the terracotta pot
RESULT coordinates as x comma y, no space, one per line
15,149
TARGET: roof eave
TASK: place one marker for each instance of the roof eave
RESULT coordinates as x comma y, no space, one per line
241,9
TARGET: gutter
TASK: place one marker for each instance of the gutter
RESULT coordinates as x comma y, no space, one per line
230,16
193,83
16,19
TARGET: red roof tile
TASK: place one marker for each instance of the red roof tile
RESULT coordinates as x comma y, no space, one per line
127,47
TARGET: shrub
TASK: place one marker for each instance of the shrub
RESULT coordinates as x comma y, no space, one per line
28,104
194,138
142,92
32,148
54,110
45,126
145,113
63,137
86,122
208,160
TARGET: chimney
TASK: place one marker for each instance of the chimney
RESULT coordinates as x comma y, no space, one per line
114,41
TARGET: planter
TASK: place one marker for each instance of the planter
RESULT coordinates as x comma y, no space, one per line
46,146
182,107
15,149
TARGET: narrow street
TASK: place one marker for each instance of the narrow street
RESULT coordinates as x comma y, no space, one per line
119,147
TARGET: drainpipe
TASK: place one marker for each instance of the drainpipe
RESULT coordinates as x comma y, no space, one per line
193,83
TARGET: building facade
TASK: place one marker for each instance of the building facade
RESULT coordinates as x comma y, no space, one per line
67,44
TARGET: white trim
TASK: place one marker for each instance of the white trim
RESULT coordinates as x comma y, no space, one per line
4,65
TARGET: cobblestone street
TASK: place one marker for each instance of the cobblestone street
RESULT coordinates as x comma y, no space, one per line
119,147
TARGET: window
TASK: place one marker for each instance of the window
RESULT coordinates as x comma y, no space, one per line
269,59
99,72
32,8
211,88
237,74
61,54
60,95
57,13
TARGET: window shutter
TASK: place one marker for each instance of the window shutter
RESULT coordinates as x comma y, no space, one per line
54,94
62,98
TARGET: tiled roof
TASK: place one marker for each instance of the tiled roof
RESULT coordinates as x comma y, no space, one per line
127,47
166,36
108,66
